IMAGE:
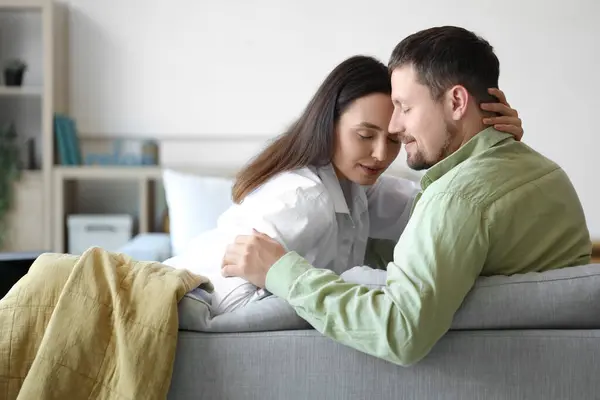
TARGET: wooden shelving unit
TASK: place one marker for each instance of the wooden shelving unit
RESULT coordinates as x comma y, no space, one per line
23,4
26,215
8,91
67,178
40,39
107,173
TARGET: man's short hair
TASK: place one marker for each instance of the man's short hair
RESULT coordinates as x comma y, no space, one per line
446,56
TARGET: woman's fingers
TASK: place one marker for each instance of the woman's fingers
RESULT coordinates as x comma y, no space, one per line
500,108
513,130
232,255
499,94
516,121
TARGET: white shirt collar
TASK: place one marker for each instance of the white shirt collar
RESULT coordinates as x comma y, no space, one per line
332,184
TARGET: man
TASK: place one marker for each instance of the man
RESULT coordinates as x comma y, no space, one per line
489,205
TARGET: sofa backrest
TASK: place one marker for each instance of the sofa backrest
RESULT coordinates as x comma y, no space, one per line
568,298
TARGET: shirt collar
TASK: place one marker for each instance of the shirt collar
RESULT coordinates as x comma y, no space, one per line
332,184
479,143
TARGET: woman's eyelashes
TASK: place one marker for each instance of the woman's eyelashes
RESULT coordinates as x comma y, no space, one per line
370,136
365,135
394,139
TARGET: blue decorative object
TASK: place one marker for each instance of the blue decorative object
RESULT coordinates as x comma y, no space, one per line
147,155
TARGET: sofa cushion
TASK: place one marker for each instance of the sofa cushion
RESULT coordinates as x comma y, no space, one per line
559,299
150,246
195,203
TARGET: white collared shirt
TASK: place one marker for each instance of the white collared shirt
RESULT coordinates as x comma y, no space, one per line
307,212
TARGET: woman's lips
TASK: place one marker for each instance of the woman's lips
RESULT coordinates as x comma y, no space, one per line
371,170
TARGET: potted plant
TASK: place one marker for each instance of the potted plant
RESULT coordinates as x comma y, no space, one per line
10,172
14,70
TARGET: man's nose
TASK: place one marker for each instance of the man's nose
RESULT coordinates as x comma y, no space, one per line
396,125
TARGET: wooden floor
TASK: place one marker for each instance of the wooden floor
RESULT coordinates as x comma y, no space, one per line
596,253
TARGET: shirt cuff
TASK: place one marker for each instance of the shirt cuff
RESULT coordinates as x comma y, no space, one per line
284,273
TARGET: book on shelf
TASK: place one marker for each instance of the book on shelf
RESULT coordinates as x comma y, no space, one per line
67,142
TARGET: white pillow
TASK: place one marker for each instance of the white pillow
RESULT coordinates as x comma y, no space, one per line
195,203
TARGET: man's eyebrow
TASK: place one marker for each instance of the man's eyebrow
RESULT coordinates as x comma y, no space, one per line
369,125
398,100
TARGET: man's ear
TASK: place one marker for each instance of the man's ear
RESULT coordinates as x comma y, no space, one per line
457,99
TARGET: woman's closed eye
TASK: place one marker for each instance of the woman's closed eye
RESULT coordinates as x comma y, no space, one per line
364,135
394,139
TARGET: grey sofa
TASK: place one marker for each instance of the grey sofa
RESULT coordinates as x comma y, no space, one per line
530,336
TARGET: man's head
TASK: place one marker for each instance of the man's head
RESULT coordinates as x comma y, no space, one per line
440,76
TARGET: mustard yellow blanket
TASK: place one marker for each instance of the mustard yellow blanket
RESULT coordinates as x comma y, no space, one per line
95,326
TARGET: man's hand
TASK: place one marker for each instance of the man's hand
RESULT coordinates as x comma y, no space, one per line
251,256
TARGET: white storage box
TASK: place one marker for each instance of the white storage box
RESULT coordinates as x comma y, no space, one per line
108,231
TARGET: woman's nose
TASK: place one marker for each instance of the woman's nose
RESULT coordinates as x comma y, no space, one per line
379,152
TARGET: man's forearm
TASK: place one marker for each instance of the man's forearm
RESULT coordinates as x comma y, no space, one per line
369,320
435,264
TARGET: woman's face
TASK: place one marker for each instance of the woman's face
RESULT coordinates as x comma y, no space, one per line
363,148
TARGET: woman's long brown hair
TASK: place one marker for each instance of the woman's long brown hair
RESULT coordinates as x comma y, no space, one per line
310,140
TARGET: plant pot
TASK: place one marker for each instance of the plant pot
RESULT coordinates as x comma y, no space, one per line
14,77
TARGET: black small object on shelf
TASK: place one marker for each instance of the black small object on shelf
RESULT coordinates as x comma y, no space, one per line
14,71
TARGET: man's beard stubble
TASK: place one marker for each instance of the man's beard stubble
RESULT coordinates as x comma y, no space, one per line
420,162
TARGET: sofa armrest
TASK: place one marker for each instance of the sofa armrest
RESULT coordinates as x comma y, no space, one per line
148,247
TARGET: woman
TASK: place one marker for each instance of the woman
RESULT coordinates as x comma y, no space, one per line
318,188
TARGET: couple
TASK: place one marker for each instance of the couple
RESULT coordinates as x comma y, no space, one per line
487,205
318,188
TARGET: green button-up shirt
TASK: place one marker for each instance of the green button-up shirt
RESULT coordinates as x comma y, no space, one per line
493,207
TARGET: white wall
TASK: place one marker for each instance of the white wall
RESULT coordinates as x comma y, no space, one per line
182,68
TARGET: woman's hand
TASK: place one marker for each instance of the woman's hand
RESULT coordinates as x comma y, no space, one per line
508,121
251,257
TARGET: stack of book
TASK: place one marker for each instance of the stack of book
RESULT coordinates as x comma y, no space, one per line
67,144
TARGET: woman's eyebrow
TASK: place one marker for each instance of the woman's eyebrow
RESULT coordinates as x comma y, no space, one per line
369,125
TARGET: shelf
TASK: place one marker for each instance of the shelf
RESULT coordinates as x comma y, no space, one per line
20,90
23,4
31,174
37,31
143,177
108,172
